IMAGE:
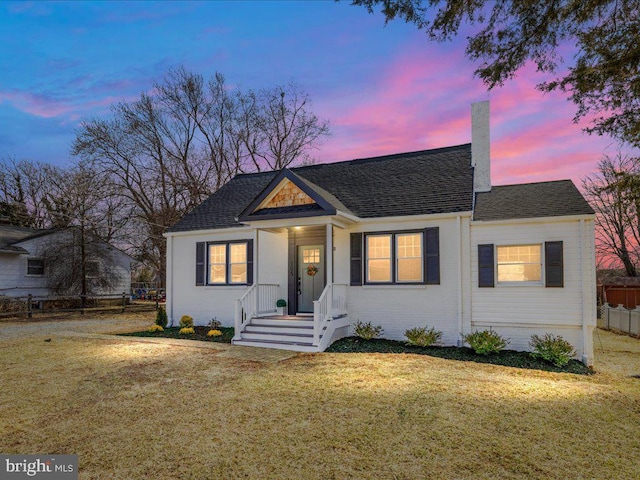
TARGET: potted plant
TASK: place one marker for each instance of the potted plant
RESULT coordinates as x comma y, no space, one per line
281,304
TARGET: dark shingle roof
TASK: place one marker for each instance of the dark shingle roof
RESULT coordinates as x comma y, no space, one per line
530,200
10,234
425,182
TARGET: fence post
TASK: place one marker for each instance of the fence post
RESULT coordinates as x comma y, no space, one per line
30,306
123,302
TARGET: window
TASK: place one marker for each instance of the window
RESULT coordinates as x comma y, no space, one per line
311,255
409,257
92,269
228,263
35,266
519,263
379,258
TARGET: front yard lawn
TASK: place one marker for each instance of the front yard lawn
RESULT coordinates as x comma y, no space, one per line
508,358
154,410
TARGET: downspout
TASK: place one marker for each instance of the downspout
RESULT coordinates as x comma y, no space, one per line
460,293
169,292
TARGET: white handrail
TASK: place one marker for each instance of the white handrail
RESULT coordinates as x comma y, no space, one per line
257,300
331,304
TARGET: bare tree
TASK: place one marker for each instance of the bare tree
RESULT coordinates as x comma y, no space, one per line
614,193
84,208
172,148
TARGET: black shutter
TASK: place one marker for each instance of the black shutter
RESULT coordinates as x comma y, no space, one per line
200,262
356,259
553,264
485,266
432,256
249,262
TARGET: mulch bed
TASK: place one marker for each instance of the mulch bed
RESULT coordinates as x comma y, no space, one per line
200,334
508,358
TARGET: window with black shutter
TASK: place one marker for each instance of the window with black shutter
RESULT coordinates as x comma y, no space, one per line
553,266
485,266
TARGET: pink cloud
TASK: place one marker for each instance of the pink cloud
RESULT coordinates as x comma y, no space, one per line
419,105
35,104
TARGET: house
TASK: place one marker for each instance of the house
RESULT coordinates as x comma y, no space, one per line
25,268
414,239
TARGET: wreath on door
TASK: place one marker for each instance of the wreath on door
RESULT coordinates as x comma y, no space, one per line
312,270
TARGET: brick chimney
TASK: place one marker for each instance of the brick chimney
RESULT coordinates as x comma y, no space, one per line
480,147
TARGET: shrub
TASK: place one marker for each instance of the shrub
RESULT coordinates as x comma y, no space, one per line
156,328
214,324
187,331
367,331
214,333
423,336
552,349
161,317
486,342
186,321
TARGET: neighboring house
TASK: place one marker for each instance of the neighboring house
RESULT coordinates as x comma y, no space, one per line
23,266
414,239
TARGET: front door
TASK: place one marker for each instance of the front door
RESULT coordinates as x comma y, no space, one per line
310,276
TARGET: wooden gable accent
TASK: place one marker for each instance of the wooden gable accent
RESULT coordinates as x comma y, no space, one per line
286,194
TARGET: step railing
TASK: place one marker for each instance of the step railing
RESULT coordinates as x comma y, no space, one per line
259,299
331,304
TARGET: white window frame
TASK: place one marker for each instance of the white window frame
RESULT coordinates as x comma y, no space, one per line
393,258
539,282
227,264
38,259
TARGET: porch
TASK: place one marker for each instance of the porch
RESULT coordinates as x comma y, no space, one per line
258,324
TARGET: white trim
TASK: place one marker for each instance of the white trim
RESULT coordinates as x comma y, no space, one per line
208,231
460,293
416,218
534,220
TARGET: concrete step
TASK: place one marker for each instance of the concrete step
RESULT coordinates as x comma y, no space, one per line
293,322
295,347
279,329
278,337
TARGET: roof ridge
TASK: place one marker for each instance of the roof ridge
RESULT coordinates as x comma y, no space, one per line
362,160
532,183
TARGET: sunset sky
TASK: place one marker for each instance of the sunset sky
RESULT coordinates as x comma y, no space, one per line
384,89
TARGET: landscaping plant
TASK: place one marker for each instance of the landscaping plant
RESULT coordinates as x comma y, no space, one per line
187,331
214,324
486,342
367,331
552,349
214,333
423,336
186,321
161,317
156,328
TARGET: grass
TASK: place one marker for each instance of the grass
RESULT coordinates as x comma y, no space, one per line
200,334
508,358
148,410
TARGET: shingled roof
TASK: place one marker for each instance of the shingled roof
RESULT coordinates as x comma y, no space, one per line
416,183
10,234
530,200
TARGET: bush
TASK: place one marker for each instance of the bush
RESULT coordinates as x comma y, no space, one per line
187,331
186,322
214,333
423,336
552,349
486,342
214,324
367,331
161,317
156,328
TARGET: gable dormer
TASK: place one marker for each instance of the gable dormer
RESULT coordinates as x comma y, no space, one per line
288,196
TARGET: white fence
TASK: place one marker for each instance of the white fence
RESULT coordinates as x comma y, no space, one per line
619,318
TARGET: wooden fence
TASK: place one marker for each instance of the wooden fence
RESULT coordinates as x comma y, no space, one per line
30,306
621,319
